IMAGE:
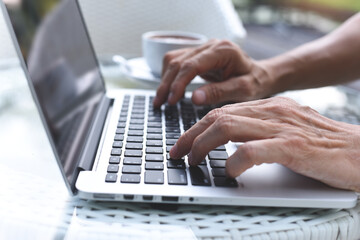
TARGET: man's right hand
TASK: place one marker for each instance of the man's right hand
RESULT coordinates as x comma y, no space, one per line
232,75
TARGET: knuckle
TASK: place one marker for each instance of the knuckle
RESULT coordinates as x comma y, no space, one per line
214,114
188,65
168,57
174,65
225,124
225,43
281,105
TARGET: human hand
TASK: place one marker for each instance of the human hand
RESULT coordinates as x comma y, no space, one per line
278,130
233,75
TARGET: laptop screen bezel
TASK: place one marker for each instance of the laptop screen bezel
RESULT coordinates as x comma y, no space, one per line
70,182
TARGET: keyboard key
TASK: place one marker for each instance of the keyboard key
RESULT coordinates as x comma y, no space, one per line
154,143
177,177
154,119
137,146
122,119
218,172
154,177
172,135
154,150
117,144
132,161
172,124
154,124
137,116
119,137
138,105
131,169
133,153
217,163
172,130
137,121
199,176
154,130
135,139
154,137
112,168
121,125
154,157
154,166
135,133
218,155
120,131
138,111
116,152
225,182
179,164
220,148
171,141
111,177
168,148
203,162
136,127
114,160
130,178
169,158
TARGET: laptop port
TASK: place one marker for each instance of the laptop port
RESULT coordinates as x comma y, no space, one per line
104,196
128,197
169,199
148,198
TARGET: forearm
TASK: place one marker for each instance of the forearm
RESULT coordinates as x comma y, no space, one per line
330,60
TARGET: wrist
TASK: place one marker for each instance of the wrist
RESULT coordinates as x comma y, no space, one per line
281,72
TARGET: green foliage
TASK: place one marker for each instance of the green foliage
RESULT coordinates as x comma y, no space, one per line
339,4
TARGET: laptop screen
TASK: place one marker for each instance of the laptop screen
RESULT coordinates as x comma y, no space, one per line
63,70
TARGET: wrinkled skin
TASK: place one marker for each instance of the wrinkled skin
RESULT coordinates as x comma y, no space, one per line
275,129
278,130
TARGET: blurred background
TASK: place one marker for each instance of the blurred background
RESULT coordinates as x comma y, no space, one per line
275,26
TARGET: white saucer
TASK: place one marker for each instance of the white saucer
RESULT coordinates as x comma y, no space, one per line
138,69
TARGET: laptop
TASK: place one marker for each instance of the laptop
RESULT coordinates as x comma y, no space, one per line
114,146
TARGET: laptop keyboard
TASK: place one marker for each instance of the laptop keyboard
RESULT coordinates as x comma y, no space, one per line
143,139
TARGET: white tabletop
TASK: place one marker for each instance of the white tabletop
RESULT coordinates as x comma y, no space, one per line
35,203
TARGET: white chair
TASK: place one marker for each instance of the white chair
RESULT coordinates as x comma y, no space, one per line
116,26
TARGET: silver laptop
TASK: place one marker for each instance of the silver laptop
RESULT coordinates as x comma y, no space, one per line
115,147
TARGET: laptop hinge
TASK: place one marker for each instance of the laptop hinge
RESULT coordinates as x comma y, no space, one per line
91,147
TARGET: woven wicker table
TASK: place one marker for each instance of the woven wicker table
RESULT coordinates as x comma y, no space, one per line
35,207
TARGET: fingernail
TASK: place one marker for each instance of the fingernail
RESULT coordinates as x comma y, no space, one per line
200,96
190,160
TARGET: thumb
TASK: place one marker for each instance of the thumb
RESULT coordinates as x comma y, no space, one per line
213,93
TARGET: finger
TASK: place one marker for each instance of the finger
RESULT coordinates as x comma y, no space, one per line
169,72
184,143
171,66
254,153
216,92
201,63
229,128
170,56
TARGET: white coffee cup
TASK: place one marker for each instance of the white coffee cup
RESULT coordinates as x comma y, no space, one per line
157,43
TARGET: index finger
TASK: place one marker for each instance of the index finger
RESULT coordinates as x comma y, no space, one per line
171,66
198,64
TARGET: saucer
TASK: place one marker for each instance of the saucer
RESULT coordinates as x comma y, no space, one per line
138,69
